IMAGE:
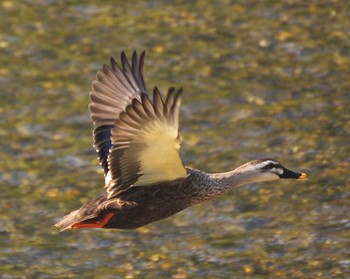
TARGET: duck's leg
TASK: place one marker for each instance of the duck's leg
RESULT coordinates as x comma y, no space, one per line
95,224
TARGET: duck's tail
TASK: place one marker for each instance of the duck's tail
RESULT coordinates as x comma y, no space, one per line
90,215
71,221
68,221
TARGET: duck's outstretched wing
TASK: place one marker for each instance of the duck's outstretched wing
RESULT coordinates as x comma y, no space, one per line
112,91
146,143
137,139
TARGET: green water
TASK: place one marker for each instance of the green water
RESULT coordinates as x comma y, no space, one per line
260,78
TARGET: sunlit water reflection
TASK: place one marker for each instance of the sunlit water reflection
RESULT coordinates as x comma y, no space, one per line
263,80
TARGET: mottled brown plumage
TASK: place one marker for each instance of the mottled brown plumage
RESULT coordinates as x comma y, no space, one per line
142,205
138,142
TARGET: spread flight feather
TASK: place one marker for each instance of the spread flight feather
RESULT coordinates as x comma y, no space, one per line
137,139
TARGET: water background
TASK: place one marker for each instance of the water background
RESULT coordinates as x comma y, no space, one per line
260,79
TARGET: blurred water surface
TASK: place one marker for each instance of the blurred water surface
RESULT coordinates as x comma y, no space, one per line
260,78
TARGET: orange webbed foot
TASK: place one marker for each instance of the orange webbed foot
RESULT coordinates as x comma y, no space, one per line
96,224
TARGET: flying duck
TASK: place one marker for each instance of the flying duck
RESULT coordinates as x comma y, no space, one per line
138,141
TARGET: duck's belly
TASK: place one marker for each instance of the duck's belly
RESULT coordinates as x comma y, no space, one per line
154,203
139,215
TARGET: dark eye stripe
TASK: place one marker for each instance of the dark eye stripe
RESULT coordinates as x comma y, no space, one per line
270,166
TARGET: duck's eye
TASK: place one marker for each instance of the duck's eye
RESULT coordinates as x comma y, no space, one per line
269,166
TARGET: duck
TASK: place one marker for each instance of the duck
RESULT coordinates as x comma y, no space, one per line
137,140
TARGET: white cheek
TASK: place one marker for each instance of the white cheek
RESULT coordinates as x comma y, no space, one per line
279,171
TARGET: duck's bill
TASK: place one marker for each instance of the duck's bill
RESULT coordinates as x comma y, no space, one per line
293,175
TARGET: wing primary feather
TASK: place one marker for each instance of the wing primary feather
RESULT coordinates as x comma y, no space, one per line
125,117
147,106
133,114
119,73
105,78
158,104
170,100
174,112
141,64
97,97
167,103
128,71
137,106
136,73
96,107
115,79
117,85
170,97
122,77
105,90
115,65
101,119
102,144
125,62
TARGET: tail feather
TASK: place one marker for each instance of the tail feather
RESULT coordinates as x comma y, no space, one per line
68,221
89,210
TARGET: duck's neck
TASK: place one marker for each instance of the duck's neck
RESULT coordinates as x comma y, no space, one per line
228,180
207,186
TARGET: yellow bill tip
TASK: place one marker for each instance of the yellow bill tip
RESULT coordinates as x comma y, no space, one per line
302,175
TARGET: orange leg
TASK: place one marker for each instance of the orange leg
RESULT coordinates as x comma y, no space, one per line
96,224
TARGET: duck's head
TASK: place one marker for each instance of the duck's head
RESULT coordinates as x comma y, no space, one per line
271,169
266,170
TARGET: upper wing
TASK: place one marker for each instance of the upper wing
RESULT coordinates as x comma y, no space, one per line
146,143
113,90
